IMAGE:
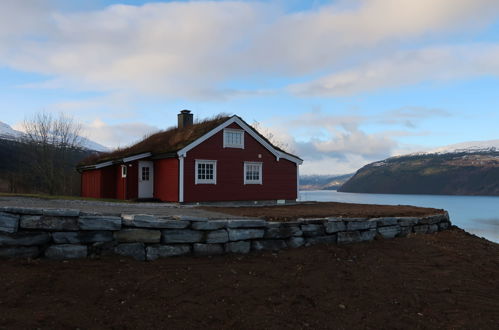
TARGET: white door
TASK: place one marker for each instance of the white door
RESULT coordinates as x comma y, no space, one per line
146,179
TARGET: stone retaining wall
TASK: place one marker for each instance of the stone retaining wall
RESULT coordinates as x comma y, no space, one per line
69,234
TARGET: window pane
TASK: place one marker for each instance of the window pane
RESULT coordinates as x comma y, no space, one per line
233,139
145,173
253,173
206,171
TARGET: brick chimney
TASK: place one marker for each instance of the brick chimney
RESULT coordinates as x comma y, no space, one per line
185,119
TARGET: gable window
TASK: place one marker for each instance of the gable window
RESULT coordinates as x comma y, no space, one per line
252,173
145,173
233,138
123,171
206,171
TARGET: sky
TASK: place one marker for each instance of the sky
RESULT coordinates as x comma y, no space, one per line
340,83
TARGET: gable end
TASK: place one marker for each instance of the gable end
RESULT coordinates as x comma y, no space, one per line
248,129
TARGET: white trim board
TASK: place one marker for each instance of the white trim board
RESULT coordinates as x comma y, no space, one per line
181,179
135,157
101,165
117,161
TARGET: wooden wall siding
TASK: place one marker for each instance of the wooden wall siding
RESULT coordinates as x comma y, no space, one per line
234,126
120,184
166,179
279,177
91,184
108,188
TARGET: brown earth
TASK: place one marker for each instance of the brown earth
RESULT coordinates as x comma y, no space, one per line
444,280
323,209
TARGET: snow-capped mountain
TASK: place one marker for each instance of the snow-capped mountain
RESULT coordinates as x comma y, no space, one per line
92,145
471,146
467,147
8,133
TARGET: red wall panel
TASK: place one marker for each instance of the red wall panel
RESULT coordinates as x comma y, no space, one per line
166,179
279,177
108,182
91,184
120,184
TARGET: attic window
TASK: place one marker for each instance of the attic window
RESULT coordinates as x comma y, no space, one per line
233,138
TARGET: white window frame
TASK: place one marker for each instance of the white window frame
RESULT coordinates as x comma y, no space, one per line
124,171
230,145
205,181
260,165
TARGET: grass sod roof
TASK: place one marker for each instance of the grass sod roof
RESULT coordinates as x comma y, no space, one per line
168,141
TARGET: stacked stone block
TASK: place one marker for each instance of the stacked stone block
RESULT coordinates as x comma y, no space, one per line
70,234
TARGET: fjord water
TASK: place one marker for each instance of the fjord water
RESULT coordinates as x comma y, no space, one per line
478,215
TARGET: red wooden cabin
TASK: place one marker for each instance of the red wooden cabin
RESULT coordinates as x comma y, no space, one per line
222,159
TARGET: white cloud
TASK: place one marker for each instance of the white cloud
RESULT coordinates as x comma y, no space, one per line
331,165
331,37
192,49
406,68
337,144
117,135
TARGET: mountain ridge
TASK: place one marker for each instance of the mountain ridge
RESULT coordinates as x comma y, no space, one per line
469,170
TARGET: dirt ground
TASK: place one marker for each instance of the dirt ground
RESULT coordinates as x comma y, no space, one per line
323,209
445,280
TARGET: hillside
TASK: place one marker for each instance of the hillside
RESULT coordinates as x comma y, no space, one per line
462,172
20,169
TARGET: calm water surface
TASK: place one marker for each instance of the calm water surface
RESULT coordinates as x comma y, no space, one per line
478,215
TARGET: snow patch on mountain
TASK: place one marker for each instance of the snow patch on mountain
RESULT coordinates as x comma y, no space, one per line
8,133
471,146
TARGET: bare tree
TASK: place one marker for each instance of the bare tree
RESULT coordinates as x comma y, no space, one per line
51,140
46,129
271,137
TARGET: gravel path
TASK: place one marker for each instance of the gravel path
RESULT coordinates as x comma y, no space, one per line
162,209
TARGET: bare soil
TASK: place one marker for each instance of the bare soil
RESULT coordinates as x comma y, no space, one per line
446,280
323,209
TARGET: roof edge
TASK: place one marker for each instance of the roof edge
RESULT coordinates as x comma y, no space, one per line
114,161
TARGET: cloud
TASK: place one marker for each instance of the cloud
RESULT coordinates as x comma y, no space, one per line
177,48
194,49
331,165
340,143
410,116
117,135
330,37
406,68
